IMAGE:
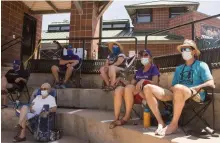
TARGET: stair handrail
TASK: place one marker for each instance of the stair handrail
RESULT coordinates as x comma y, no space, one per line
20,41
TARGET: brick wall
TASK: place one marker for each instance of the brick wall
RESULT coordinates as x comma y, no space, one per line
212,22
85,25
160,20
12,14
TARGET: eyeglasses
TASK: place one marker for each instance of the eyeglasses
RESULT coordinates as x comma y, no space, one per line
188,49
145,55
43,88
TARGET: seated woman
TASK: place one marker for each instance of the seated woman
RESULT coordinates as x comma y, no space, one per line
35,109
131,92
115,62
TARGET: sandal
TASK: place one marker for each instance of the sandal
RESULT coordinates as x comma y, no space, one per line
18,139
115,123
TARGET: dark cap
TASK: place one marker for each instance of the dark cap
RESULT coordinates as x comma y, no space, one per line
145,52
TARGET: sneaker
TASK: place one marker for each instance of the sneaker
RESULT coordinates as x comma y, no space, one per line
62,86
57,85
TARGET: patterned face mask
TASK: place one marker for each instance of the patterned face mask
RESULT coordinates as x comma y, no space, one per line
115,50
144,61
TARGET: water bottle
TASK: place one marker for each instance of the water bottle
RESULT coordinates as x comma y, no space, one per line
17,103
147,118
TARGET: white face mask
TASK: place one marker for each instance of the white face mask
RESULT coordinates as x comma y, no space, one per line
186,55
44,93
144,61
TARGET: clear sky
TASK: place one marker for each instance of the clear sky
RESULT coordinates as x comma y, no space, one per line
117,11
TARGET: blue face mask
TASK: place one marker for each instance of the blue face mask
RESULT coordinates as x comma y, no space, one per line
115,50
69,52
16,67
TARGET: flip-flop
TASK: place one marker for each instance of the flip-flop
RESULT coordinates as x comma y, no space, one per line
114,123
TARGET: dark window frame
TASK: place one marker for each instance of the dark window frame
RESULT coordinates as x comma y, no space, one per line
177,13
150,14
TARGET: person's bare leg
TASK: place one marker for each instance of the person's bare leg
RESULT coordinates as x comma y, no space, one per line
118,99
104,75
55,73
4,83
152,93
23,130
113,70
23,113
180,95
68,74
129,101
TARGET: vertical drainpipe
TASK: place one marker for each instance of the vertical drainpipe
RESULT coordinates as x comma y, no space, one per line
100,34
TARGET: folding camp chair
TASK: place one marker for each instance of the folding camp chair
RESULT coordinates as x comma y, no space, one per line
198,109
15,94
32,121
76,75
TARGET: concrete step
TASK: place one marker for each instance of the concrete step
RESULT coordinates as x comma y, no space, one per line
93,81
8,138
93,126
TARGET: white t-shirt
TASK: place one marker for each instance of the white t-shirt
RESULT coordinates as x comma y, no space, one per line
39,102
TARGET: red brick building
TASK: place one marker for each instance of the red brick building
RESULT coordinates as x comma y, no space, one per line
24,19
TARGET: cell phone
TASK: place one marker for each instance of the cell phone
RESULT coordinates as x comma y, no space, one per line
46,108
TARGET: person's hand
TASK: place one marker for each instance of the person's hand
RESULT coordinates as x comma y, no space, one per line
32,111
68,65
18,79
139,85
196,88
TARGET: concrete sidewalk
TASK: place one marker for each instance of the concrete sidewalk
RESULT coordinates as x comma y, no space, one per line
7,137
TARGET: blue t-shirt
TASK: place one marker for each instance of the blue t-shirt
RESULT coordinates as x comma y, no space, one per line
69,57
140,74
193,75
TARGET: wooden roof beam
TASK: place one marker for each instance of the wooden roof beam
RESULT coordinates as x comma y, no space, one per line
103,9
56,10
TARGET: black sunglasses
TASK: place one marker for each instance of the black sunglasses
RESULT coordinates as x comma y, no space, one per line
188,49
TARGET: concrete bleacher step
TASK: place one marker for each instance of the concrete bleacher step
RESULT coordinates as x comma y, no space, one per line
8,138
92,126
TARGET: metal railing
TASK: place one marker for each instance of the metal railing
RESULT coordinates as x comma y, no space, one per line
20,40
84,39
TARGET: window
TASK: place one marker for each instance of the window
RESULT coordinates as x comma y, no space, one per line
144,15
176,11
53,28
119,25
65,28
107,26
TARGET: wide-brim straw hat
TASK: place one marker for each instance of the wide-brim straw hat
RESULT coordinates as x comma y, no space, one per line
189,43
114,43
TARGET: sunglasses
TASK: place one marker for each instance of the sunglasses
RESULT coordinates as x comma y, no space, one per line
43,88
188,49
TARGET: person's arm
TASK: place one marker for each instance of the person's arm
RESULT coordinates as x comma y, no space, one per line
155,80
53,109
119,61
175,79
107,63
206,77
53,105
64,62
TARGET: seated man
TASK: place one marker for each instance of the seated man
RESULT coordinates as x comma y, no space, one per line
133,92
35,109
15,79
188,81
115,62
67,63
